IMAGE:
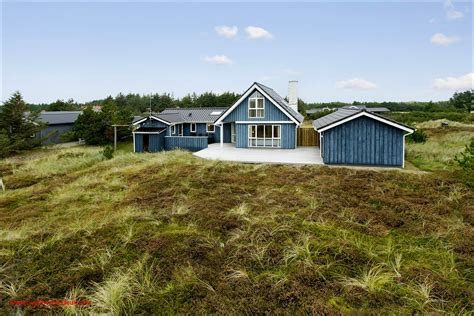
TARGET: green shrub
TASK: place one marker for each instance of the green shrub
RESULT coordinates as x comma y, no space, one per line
419,136
108,152
466,162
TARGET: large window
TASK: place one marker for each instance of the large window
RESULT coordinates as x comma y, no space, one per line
265,136
256,105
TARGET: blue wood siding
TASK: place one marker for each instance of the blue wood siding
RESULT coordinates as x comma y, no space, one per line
156,142
193,143
272,113
138,143
363,141
52,133
288,135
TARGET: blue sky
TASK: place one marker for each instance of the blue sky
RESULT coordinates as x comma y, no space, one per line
345,51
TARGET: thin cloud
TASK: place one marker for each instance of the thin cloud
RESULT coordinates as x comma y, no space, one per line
455,83
227,31
218,60
451,12
356,83
255,32
441,39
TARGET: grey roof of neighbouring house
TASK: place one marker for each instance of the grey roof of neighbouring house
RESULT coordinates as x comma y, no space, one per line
312,111
363,107
282,102
59,117
341,114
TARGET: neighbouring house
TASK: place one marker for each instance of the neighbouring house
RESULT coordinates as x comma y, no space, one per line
368,109
57,123
359,137
186,128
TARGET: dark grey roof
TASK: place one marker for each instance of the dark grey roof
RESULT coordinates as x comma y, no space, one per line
333,117
137,118
59,117
191,115
363,107
282,102
344,113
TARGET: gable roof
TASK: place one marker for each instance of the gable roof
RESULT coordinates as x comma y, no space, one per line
193,115
59,117
342,116
271,95
171,116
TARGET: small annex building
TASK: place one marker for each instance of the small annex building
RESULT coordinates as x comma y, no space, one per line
360,137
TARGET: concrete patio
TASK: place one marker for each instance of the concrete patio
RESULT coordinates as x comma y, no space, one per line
300,155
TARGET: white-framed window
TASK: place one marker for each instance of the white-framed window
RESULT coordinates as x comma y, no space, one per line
210,128
265,136
193,127
173,129
256,105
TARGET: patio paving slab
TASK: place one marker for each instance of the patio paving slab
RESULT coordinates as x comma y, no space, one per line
300,155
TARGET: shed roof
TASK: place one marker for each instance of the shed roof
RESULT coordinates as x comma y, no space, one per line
363,107
343,115
59,117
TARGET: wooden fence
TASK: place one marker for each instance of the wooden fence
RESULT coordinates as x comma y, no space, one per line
307,136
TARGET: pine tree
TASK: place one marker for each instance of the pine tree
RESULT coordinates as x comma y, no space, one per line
18,126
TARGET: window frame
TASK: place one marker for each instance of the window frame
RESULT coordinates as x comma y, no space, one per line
275,141
173,129
213,128
191,129
256,96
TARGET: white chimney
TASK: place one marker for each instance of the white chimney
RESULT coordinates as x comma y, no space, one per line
293,94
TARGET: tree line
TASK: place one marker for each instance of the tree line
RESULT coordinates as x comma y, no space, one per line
19,121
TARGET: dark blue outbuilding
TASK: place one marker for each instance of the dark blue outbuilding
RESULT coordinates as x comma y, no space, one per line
359,137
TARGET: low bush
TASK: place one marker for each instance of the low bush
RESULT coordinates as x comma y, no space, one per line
466,162
108,152
419,136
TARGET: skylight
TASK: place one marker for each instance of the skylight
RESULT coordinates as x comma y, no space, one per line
216,112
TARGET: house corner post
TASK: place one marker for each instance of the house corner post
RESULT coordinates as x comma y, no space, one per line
222,134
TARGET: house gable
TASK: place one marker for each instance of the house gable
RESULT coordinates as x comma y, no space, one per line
239,111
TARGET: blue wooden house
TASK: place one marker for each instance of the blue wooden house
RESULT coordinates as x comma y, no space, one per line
360,137
186,128
260,118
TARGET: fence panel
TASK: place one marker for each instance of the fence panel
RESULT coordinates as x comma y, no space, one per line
307,137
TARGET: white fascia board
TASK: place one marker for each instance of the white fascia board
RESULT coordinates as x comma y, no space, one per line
263,122
151,117
350,118
242,98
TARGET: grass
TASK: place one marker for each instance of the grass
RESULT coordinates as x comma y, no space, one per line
442,146
170,233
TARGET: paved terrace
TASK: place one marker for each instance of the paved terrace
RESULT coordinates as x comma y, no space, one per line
300,155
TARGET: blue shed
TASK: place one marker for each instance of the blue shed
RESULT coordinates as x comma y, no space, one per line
359,137
58,123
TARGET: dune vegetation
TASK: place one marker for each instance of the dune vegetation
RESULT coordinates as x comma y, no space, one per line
171,233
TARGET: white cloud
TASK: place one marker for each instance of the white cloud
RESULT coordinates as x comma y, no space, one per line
255,32
441,39
455,83
451,12
218,60
227,31
356,83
